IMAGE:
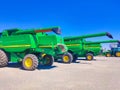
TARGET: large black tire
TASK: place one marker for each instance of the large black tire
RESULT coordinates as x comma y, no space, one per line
30,62
117,54
74,58
49,60
89,56
67,58
108,55
3,59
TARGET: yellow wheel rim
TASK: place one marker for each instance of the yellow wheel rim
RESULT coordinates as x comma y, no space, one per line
66,59
89,57
28,62
43,55
108,54
118,54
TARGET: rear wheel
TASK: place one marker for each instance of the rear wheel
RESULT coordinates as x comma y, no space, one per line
89,56
67,58
48,60
3,59
30,62
108,54
117,54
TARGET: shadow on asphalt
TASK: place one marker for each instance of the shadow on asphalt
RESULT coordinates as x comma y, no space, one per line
77,62
85,63
66,63
45,67
86,59
19,66
14,65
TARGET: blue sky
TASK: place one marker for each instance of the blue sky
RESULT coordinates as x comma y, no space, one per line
75,17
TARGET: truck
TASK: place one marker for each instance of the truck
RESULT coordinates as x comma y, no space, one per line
79,47
114,50
32,47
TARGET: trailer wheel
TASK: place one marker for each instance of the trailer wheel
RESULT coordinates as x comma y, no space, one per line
30,62
3,59
67,58
117,54
89,56
108,54
48,60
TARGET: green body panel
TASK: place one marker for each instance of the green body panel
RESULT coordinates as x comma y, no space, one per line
17,43
92,48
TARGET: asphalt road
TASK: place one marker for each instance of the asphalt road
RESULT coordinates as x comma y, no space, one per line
100,74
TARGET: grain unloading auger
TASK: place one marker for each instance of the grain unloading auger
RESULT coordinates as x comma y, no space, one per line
88,36
34,31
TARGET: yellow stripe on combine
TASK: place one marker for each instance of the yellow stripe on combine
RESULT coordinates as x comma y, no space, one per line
45,46
79,45
72,44
14,46
91,47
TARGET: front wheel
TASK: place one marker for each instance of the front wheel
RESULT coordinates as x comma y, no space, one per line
89,56
48,60
30,62
117,54
67,58
108,55
3,59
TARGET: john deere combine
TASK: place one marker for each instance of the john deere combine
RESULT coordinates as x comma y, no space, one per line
79,47
31,47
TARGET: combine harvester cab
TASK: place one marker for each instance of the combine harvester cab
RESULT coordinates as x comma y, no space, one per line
76,45
115,50
30,47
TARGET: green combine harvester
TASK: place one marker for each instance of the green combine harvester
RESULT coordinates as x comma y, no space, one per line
79,47
31,47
